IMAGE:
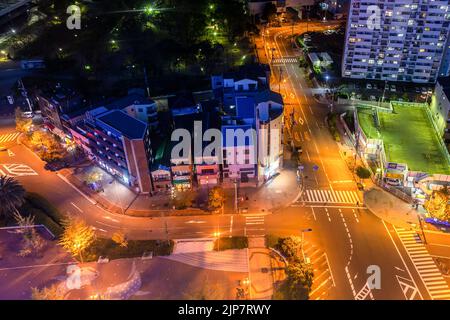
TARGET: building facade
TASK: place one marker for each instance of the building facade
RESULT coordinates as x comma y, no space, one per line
402,40
440,108
118,143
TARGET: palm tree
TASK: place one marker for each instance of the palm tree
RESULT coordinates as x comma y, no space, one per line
12,196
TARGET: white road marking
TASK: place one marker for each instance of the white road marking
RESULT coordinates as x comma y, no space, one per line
76,207
401,258
432,278
76,189
19,170
330,196
9,137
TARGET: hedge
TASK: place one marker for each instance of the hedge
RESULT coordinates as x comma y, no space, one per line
231,243
39,202
43,211
107,248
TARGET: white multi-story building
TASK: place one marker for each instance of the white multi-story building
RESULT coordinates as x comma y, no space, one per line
401,40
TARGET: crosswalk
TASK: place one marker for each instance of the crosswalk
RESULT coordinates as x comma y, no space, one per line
254,225
16,170
330,196
8,137
284,60
323,279
364,293
432,278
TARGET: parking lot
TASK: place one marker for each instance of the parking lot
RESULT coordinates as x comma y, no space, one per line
385,91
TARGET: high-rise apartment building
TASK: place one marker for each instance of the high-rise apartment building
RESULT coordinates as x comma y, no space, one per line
401,40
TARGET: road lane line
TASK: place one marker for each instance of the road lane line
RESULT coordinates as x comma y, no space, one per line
403,260
76,207
231,225
79,191
314,214
39,266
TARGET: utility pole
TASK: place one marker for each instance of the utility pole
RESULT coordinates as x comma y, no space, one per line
25,94
301,246
279,79
235,197
146,82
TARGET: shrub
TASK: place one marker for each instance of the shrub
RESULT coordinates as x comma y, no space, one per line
136,248
39,202
231,243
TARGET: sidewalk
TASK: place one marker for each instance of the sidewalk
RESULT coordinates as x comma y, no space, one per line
274,195
119,199
260,270
390,208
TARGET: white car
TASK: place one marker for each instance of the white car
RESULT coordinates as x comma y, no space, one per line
369,86
27,114
393,88
393,182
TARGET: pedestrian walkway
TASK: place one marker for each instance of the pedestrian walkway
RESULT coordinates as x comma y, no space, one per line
423,262
254,226
285,60
193,245
228,260
364,293
8,137
323,278
330,196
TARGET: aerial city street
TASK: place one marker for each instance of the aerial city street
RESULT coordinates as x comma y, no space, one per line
225,150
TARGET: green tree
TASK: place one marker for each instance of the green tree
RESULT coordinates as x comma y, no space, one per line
289,247
269,12
48,293
12,196
438,204
93,176
32,242
216,198
77,236
298,283
183,199
22,124
362,173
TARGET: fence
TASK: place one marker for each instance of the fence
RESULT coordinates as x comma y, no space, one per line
36,226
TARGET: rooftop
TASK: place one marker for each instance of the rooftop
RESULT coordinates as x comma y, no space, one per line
249,71
408,137
131,99
130,127
445,83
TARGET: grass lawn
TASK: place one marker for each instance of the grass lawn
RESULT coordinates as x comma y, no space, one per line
408,137
136,248
231,243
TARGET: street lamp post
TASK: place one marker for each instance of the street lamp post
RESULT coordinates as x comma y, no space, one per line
301,246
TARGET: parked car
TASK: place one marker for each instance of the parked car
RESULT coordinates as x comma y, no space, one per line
27,114
369,86
393,88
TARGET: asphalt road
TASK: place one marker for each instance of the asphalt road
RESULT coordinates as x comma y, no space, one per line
353,238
